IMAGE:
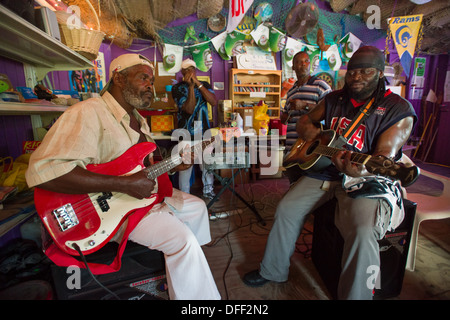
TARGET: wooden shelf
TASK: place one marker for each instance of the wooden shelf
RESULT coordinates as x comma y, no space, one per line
16,108
255,85
26,43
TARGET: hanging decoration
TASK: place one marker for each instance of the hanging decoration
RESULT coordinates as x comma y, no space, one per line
261,37
237,10
333,57
292,47
314,58
247,25
404,31
263,13
190,33
325,58
219,44
172,58
277,40
234,43
348,45
201,54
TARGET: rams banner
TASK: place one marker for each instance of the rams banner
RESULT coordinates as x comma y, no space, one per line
404,31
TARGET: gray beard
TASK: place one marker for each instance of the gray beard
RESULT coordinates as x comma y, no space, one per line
134,99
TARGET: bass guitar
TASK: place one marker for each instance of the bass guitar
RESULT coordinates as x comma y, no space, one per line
90,220
314,156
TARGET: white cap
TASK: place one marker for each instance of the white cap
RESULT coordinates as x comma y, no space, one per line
188,63
123,62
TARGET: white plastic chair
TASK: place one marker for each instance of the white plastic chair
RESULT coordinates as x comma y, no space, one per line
428,208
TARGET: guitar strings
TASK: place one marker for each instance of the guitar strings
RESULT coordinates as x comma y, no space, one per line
330,151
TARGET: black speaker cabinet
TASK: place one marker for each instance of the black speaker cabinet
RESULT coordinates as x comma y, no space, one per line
328,245
141,277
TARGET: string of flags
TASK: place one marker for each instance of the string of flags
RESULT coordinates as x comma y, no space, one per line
405,32
267,38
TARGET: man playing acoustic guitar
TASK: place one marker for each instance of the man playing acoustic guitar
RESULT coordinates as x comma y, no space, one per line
99,131
362,216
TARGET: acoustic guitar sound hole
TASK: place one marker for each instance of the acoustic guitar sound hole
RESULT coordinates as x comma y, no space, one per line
312,147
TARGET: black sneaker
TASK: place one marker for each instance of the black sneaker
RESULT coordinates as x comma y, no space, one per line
254,279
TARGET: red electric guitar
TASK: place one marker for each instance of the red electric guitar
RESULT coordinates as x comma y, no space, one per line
91,220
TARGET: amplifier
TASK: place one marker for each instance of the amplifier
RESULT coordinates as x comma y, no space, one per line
141,277
328,245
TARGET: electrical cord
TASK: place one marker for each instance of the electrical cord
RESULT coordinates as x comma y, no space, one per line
83,258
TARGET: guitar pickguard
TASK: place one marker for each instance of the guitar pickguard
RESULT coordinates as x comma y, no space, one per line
110,220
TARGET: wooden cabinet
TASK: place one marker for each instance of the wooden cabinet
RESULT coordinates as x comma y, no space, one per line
248,87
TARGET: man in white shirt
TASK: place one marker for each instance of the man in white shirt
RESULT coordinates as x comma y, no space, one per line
99,130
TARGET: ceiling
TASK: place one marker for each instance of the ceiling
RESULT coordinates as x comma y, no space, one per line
125,20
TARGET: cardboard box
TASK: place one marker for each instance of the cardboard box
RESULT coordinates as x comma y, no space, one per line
247,117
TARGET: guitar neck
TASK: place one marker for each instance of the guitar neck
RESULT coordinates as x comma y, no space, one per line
163,166
169,163
327,151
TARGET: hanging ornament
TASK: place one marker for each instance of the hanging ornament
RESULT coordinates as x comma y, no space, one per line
277,40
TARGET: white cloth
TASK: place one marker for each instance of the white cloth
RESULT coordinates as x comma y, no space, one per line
378,187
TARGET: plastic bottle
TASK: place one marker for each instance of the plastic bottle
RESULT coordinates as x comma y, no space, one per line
286,85
240,122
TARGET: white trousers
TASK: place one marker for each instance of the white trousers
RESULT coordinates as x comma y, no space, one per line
184,177
179,235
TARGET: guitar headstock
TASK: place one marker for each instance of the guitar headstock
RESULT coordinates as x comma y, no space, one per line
384,166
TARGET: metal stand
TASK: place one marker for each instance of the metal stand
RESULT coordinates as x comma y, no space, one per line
236,163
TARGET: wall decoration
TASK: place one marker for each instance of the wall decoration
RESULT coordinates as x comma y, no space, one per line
348,45
261,37
89,80
172,58
219,44
404,32
201,54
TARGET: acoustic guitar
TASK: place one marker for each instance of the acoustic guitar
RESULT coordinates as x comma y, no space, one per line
315,156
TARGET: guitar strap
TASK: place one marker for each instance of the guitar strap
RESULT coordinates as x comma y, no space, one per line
363,113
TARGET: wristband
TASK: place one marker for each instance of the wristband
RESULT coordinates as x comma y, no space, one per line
200,86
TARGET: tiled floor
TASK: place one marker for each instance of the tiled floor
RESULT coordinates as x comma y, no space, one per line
239,241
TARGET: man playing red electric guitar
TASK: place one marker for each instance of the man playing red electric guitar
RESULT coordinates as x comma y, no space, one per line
100,130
